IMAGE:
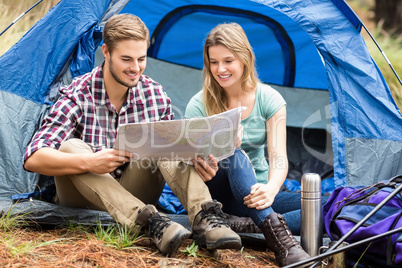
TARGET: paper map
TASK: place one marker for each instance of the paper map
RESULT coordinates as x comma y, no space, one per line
183,139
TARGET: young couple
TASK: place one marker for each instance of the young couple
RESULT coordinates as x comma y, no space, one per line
74,144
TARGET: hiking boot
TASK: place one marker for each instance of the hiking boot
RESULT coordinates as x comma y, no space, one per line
211,229
243,224
281,241
166,234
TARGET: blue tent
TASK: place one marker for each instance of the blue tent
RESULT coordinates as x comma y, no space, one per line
312,52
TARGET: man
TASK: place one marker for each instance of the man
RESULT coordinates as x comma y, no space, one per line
74,144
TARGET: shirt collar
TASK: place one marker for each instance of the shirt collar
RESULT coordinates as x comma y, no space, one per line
98,86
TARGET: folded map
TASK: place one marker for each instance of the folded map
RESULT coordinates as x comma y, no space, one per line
182,139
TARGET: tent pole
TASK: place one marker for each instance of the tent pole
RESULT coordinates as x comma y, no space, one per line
362,221
20,16
383,53
328,253
351,231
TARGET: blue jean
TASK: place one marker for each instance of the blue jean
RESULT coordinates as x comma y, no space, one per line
233,182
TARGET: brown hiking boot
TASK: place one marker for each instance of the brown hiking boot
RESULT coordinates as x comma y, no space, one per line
166,234
281,241
211,230
242,224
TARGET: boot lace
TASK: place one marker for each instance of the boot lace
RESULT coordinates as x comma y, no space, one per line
244,226
284,235
157,224
215,217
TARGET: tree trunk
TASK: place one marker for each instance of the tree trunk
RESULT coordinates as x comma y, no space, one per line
389,12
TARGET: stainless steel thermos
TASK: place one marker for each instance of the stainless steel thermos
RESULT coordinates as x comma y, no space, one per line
311,214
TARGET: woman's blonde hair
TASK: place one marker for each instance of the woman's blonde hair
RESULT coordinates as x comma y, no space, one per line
124,27
233,37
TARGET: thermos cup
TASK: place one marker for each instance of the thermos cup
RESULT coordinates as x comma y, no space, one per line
311,214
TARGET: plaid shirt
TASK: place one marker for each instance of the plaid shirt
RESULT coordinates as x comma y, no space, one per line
84,111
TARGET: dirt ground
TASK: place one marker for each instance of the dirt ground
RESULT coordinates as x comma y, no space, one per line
64,247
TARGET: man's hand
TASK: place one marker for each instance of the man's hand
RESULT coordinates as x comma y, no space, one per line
204,169
106,161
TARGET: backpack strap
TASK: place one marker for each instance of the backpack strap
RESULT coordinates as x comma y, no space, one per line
379,185
351,200
396,179
391,252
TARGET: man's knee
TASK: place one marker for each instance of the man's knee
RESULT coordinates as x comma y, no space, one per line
173,168
75,146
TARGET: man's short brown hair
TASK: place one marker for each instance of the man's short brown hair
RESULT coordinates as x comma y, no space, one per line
124,27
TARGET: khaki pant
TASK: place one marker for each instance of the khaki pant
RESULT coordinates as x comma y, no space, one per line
141,183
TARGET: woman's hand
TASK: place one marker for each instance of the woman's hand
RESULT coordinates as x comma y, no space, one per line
206,170
261,196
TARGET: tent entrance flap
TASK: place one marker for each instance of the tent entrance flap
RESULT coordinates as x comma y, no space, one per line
279,32
286,55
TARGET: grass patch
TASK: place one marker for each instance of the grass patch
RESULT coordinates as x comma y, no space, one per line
9,221
191,250
17,248
11,9
245,255
391,45
389,42
118,236
23,244
12,224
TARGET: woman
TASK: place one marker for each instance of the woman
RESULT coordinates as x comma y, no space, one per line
244,187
